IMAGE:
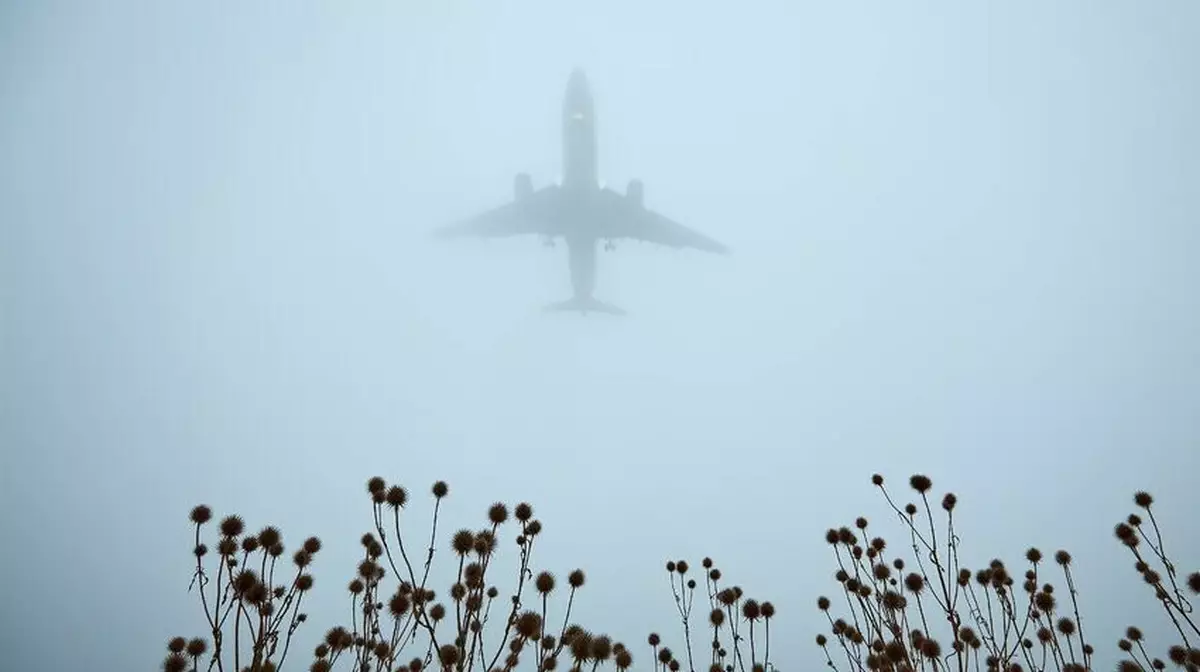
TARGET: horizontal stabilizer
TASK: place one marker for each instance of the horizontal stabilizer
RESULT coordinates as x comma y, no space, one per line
584,305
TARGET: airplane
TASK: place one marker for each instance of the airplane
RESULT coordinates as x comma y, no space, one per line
580,210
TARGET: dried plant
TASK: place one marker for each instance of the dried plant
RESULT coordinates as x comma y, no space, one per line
988,621
740,626
407,628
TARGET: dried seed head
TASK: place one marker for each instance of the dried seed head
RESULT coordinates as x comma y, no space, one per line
463,542
1143,499
576,578
768,610
1134,520
523,512
177,644
375,484
877,479
1033,555
653,639
269,536
304,582
440,489
448,654
396,497
821,641
1125,645
1133,633
914,582
196,647
1066,626
232,526
949,501
860,523
312,545
910,509
1193,582
920,483
497,513
823,603
529,624
1062,557
681,567
750,610
623,660
544,583
201,514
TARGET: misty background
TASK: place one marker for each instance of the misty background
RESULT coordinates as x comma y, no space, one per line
963,244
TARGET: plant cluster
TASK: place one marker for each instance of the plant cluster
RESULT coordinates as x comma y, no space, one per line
733,619
991,618
405,628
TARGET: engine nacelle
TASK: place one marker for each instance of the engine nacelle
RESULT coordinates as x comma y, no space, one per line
522,186
636,192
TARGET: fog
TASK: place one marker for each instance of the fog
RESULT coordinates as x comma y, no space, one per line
964,240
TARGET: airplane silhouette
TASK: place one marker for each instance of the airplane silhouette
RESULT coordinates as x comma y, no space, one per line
580,210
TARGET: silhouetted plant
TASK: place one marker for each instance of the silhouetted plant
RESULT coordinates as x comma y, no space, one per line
386,628
992,624
733,619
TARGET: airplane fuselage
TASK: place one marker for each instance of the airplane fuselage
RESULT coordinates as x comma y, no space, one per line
580,182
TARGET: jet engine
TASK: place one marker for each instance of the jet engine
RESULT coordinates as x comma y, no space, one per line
635,192
522,186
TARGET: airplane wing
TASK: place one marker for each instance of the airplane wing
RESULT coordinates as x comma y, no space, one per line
626,219
533,214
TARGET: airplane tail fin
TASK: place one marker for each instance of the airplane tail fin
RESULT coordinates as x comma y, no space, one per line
584,305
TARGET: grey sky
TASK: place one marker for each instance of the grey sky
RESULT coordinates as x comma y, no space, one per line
964,243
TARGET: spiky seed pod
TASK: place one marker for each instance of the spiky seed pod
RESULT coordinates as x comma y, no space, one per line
548,642
653,639
714,574
601,648
196,647
673,666
1151,577
321,665
396,497
768,610
841,576
200,551
846,536
529,624
492,592
576,578
898,563
200,514
1133,633
457,592
437,612
664,655
375,484
278,592
534,528
920,483
366,569
930,648
727,597
1044,601
751,610
232,526
356,586
177,644
312,545
474,603
269,536
440,489
581,646
670,566
831,537
860,523
1177,654
175,662
550,664
1066,626
691,584
448,655
497,513
877,479
302,558
485,543
473,575
1125,645
1033,555
623,660
949,501
1134,520
1143,499
367,540
910,509
1158,664
895,651
681,567
716,617
893,600
914,582
1124,531
706,563
821,641
304,582
321,651
1193,582
463,542
1062,557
